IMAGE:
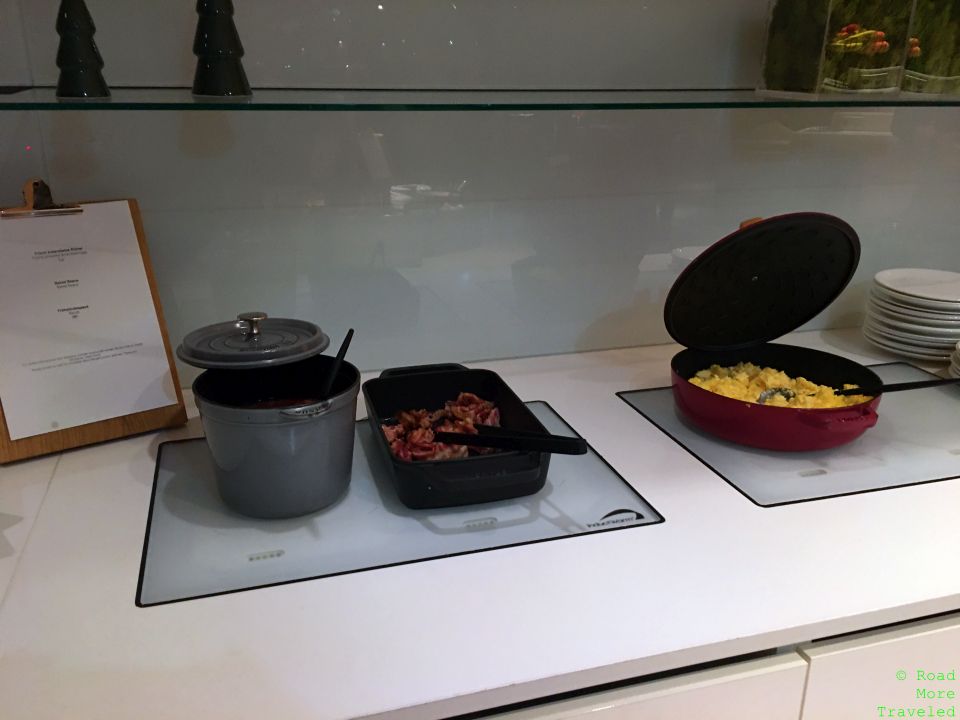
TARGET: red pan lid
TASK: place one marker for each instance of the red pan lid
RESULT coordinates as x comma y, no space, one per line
761,282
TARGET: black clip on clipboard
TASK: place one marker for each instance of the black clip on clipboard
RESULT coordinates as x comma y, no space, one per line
38,202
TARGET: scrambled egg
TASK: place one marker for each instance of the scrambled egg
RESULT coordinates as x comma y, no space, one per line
745,381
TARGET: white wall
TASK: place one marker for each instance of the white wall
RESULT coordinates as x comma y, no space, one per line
14,69
562,237
430,43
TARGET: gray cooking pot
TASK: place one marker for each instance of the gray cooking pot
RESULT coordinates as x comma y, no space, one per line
279,450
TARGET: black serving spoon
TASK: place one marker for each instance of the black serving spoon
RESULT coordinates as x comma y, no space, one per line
328,384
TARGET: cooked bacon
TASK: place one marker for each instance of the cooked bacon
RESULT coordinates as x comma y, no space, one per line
420,436
414,418
456,426
474,409
492,417
399,449
411,437
393,432
425,451
450,452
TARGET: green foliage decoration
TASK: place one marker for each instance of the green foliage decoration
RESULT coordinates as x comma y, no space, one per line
844,45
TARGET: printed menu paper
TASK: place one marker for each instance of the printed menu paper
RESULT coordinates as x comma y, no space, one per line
80,340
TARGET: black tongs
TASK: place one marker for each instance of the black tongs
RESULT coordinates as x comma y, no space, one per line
502,439
896,387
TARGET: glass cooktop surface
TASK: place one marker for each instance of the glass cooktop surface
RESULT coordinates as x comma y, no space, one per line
916,440
196,547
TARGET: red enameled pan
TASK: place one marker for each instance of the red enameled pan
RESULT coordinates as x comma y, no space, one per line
763,281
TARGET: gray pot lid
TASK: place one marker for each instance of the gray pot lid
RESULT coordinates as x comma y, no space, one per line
252,341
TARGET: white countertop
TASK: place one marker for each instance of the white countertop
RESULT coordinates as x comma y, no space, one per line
720,577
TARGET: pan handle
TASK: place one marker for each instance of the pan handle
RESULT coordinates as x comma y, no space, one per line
419,369
867,419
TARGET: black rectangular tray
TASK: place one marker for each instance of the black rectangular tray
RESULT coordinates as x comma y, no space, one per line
447,483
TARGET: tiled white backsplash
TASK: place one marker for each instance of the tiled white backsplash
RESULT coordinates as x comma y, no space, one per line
559,230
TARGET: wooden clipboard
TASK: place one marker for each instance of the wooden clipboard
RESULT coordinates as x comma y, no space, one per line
38,202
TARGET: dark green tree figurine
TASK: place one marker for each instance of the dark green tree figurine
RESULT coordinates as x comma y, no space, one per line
218,50
77,57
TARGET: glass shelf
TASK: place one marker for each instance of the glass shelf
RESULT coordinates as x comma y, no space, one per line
439,100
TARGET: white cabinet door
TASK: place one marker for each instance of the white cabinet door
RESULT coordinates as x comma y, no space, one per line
769,688
876,674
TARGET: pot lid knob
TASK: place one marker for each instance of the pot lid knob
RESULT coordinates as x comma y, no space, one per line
249,322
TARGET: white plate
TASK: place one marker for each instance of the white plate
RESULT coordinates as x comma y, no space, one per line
907,338
912,301
921,344
941,334
916,327
931,317
917,345
942,285
904,350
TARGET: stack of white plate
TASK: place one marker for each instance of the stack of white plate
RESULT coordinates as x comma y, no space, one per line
916,313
